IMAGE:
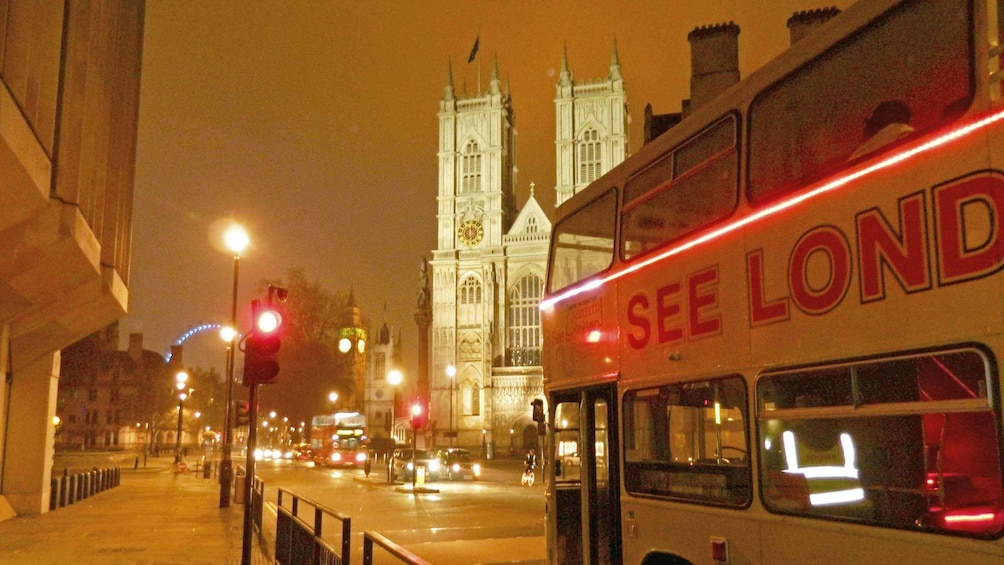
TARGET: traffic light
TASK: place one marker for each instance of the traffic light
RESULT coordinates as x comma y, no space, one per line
260,365
241,410
419,414
538,410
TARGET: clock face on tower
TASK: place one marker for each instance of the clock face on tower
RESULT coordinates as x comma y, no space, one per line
470,232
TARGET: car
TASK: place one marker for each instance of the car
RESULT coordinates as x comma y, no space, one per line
302,452
402,464
458,463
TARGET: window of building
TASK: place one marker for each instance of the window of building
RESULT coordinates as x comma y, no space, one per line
469,303
475,400
531,225
524,321
590,162
470,164
115,395
92,394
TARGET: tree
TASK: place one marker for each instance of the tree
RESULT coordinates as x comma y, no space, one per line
310,366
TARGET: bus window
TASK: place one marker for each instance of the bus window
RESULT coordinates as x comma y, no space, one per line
813,122
583,243
908,442
688,441
566,443
702,189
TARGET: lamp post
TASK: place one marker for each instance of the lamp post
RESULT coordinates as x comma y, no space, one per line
180,381
395,378
451,372
333,399
236,239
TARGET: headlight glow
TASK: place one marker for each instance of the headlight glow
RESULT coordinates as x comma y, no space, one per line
336,456
433,466
477,469
360,457
456,467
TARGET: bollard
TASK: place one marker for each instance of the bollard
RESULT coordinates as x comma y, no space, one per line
62,491
53,490
73,490
207,470
239,489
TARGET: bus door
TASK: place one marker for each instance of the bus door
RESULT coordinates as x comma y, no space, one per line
585,516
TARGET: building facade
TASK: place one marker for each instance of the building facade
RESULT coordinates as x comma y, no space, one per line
70,100
487,272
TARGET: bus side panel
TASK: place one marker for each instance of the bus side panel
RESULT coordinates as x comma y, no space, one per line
686,530
580,337
686,315
826,286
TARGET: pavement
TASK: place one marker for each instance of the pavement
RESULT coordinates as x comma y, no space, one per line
159,516
154,516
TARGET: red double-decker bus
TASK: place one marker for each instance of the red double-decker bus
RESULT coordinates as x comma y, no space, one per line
339,439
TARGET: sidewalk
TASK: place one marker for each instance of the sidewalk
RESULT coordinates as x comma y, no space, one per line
153,517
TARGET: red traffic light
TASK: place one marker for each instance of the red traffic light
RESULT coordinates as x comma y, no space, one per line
419,414
260,365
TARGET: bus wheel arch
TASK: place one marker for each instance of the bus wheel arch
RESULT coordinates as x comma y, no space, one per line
658,558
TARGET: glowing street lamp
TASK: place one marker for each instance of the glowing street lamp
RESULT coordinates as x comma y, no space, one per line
236,240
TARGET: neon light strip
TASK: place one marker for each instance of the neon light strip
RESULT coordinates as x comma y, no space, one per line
761,214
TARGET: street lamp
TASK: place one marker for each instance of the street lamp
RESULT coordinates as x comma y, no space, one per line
333,399
451,372
180,380
236,239
395,378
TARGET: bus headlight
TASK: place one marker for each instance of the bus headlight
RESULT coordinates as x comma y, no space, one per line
360,457
336,457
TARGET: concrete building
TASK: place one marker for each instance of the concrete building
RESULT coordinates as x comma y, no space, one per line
487,272
68,116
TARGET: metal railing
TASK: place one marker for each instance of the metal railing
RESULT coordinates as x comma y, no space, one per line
70,488
298,541
373,538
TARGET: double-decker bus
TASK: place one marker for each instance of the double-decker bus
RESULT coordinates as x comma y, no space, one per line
339,439
773,337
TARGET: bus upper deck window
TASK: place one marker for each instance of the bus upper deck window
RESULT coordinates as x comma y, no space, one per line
583,243
813,122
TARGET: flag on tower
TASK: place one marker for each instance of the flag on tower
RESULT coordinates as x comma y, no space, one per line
474,50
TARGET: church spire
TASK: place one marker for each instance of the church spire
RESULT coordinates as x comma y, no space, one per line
615,64
493,86
448,89
565,78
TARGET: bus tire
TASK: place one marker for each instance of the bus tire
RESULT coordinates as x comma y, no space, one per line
664,559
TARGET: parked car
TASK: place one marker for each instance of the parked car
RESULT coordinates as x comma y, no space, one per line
458,463
402,466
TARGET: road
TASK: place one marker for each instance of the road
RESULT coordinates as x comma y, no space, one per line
493,520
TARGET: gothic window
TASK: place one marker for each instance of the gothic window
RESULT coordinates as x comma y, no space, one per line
524,321
475,400
470,168
531,225
589,156
469,303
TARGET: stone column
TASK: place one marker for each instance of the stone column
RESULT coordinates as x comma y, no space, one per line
27,466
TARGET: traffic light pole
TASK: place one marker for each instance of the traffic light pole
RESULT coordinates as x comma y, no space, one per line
249,474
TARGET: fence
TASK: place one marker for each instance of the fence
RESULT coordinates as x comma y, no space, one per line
70,488
372,538
298,541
